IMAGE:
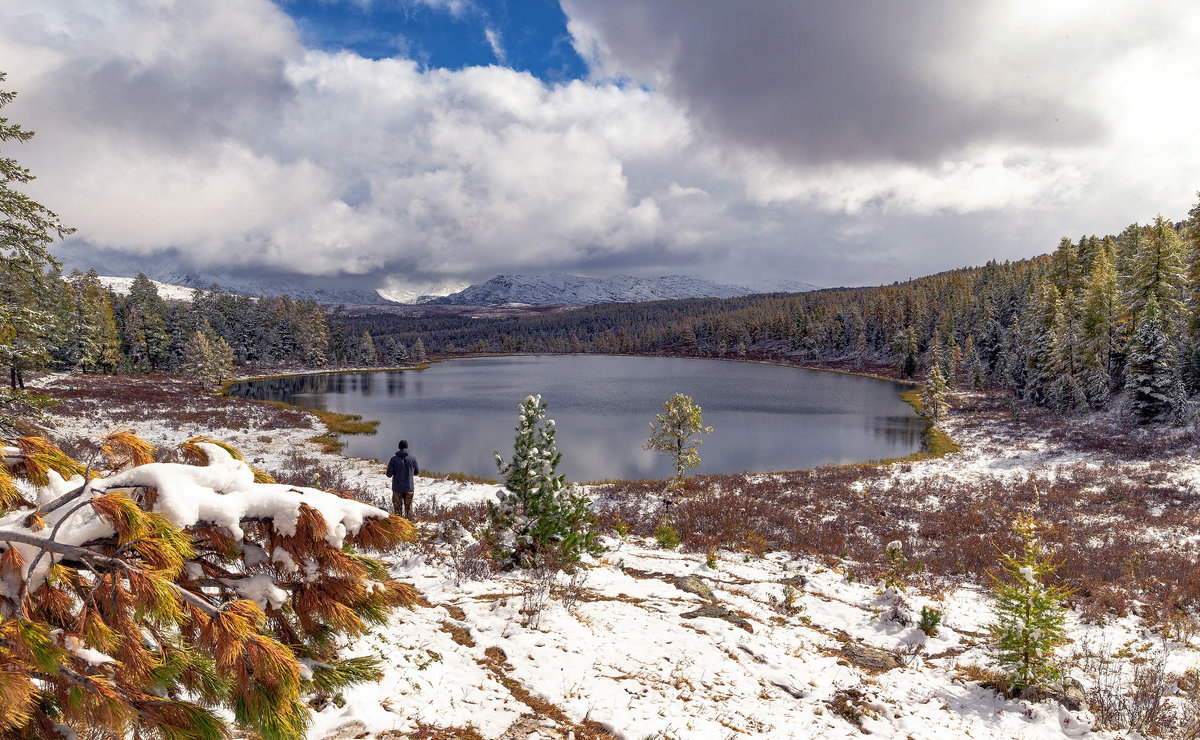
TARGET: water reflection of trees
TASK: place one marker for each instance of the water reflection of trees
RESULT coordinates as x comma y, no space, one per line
283,389
900,431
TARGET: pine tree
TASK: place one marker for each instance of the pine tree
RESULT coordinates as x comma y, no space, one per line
208,361
1012,366
222,360
1066,267
1156,272
539,518
147,602
1039,339
27,326
905,352
1190,346
1098,328
1065,391
1029,614
312,333
418,351
198,360
676,433
973,371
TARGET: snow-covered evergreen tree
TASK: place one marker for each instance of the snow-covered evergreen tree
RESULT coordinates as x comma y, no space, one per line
934,401
366,350
198,360
1038,340
1152,376
222,360
1030,614
539,518
1156,273
972,366
146,336
418,351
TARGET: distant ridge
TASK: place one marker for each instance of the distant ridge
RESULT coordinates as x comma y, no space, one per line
572,290
316,289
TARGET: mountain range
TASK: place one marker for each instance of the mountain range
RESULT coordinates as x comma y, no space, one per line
557,289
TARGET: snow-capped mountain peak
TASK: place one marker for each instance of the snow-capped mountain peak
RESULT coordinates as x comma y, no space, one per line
558,288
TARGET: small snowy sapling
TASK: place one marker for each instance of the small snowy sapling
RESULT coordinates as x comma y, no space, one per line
1030,614
539,516
676,433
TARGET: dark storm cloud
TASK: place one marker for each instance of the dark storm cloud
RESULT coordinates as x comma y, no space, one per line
821,82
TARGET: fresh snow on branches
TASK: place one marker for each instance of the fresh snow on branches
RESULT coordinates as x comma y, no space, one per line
138,597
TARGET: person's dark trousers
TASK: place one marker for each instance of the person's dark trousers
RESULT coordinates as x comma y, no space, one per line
402,503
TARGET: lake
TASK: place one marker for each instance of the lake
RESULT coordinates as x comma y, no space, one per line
456,412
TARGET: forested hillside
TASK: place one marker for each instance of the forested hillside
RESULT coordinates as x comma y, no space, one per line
1099,316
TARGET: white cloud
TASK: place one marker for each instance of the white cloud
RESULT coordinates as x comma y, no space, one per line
495,43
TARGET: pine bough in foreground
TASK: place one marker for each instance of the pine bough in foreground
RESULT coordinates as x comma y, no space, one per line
148,599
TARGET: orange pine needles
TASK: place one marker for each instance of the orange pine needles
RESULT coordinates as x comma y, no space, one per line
126,624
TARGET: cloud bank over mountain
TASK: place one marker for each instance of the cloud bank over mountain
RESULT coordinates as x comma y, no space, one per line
832,143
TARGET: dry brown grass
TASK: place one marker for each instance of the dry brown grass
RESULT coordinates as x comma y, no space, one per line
1124,534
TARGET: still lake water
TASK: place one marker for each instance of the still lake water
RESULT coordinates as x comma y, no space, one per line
456,412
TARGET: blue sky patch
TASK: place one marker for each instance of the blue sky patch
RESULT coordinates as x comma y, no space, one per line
526,35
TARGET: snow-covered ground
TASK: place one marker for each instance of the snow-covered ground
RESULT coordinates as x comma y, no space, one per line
630,648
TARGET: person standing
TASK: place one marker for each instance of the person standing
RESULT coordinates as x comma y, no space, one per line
401,469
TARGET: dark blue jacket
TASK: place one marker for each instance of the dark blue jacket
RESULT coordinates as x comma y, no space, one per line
401,469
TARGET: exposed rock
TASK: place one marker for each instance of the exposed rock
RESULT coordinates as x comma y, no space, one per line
865,656
1069,693
349,731
796,581
713,611
694,585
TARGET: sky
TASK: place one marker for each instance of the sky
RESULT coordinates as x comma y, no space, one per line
420,145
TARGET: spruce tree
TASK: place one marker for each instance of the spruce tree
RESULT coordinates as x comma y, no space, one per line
538,518
1039,339
1153,380
366,350
148,342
